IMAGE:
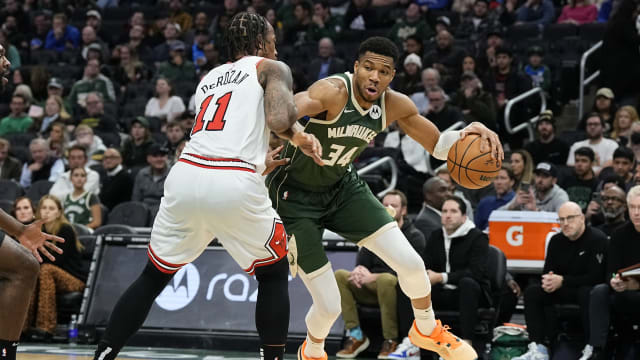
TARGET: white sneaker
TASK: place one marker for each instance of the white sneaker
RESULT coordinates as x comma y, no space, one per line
587,352
536,352
406,351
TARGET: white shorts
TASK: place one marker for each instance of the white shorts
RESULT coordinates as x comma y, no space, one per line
204,199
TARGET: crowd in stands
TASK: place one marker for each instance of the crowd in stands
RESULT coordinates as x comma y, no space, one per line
100,106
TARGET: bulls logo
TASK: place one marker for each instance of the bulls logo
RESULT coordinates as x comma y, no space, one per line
375,112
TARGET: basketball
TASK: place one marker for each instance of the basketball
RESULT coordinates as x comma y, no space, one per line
470,167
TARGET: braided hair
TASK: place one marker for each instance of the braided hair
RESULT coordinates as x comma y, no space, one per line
245,34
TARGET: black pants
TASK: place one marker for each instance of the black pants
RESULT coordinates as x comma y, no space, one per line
540,315
467,298
625,306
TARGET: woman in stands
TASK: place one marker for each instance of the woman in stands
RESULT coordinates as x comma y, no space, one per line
58,140
23,210
80,206
578,12
63,275
522,166
626,116
164,104
54,110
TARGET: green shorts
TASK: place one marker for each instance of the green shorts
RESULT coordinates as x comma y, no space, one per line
347,208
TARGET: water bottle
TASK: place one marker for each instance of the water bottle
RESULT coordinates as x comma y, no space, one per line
73,330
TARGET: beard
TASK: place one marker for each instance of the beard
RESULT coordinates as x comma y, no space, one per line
612,213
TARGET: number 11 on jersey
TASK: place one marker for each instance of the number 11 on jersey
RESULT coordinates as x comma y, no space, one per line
217,122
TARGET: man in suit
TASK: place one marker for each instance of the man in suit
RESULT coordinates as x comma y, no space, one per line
456,262
116,181
10,167
434,192
325,64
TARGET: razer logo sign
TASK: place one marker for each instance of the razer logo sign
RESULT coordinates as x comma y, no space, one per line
181,290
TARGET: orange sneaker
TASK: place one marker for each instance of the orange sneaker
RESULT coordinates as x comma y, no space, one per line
441,341
302,356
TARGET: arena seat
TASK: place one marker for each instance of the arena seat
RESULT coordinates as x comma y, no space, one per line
10,190
132,213
39,189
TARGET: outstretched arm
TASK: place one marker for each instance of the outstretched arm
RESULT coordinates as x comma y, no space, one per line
280,108
30,236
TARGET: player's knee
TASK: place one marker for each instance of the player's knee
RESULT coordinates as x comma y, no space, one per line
411,265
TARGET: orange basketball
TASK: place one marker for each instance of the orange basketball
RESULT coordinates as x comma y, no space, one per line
469,166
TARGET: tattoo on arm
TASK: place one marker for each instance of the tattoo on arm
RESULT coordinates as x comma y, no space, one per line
279,106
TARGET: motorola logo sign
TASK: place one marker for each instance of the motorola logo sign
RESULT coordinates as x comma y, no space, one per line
181,290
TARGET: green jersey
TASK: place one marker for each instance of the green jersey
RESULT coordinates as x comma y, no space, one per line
78,210
343,139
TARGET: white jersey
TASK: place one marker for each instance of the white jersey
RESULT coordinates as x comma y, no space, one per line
230,121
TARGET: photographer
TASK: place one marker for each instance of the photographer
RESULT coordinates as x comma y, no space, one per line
545,195
475,103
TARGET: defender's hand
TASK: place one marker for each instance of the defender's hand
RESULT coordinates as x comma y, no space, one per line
271,162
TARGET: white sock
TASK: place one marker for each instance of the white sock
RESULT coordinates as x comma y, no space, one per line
425,320
314,349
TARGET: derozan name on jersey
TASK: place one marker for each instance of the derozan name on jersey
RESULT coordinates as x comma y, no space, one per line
230,77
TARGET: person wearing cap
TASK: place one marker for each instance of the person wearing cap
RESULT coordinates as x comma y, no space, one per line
548,147
538,72
92,81
540,12
94,19
443,23
476,25
602,146
573,265
475,103
412,23
408,80
545,195
62,36
581,183
578,12
604,106
148,186
326,63
178,68
170,33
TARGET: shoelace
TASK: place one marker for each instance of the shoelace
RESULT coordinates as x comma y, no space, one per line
448,338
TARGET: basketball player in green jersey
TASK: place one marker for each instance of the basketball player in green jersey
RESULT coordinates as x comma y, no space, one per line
346,112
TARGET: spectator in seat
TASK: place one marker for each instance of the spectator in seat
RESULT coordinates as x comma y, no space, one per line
179,16
81,206
94,116
198,57
174,136
440,112
411,24
129,68
475,103
56,88
54,111
539,12
434,191
57,140
603,105
148,186
139,44
476,25
582,183
62,36
171,33
92,81
578,12
545,195
326,63
212,55
360,16
548,147
372,282
299,31
446,58
63,185
620,296
61,276
94,19
201,23
177,67
503,185
613,209
622,166
602,146
538,72
573,264
135,148
93,144
17,121
408,80
42,166
522,165
443,173
625,118
115,181
10,167
90,41
40,25
164,105
430,79
325,24
456,262
23,210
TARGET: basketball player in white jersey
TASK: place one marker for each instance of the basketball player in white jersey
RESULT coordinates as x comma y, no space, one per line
216,189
